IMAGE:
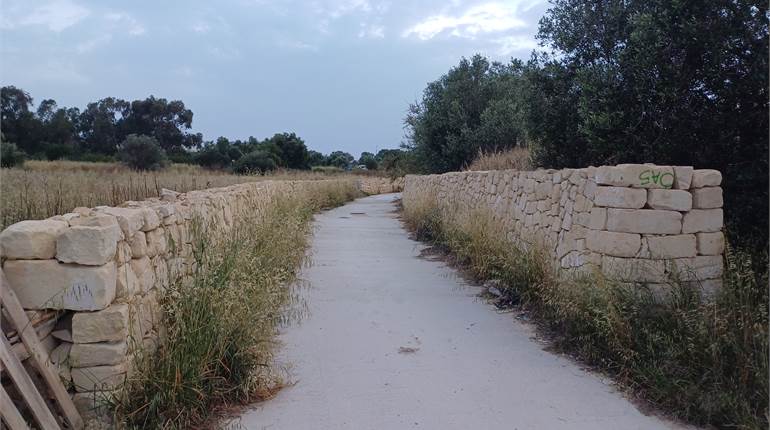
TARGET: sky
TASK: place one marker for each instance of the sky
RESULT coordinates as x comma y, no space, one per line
339,73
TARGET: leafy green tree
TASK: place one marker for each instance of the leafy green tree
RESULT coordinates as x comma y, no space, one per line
315,158
142,153
292,150
663,81
255,162
18,120
11,155
368,160
167,121
101,125
340,159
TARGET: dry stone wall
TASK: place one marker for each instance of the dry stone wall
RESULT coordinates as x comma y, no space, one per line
631,222
106,268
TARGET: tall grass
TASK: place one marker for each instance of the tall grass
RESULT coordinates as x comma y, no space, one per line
705,361
42,189
516,158
220,326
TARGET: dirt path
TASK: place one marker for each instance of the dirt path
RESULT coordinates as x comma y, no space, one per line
394,341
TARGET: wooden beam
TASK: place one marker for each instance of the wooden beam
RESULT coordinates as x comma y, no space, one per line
38,356
10,414
26,387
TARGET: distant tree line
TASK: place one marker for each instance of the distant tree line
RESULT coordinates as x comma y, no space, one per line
148,134
680,83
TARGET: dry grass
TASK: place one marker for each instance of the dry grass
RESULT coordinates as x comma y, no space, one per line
517,158
46,188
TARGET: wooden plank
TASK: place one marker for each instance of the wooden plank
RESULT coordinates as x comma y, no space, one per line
10,414
28,335
26,387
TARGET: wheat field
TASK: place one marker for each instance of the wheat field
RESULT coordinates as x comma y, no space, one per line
42,189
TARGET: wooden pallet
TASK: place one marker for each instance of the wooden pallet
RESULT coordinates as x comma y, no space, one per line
61,413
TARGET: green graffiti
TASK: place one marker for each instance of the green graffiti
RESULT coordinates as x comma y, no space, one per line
664,179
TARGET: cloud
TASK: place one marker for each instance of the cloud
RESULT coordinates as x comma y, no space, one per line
96,42
484,18
371,31
56,15
133,27
201,27
510,44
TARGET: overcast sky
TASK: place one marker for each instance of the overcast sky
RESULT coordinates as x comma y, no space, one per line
340,73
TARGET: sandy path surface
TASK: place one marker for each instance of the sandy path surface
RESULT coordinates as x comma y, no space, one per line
394,341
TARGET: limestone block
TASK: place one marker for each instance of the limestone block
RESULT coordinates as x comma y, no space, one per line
48,284
151,221
92,246
98,354
682,177
635,175
703,220
674,246
707,198
598,219
31,239
95,220
144,272
165,210
127,283
706,178
701,267
634,269
92,405
651,221
620,197
99,378
613,243
138,245
130,220
672,200
711,243
107,325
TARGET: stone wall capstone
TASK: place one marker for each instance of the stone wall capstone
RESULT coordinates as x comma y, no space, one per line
631,222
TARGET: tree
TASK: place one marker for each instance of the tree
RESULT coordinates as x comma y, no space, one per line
255,162
367,159
340,159
102,125
142,153
166,121
315,158
10,154
663,81
292,150
18,120
219,155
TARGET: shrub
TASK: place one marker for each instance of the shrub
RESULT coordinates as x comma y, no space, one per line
11,155
329,170
57,151
180,156
254,162
517,158
94,157
142,152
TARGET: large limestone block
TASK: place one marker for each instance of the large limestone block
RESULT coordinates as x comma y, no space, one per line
672,200
706,178
674,246
106,325
703,220
707,198
711,243
99,378
92,246
613,243
98,354
635,175
31,240
699,268
682,177
634,269
598,219
620,197
151,219
156,242
650,221
48,284
95,220
130,220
